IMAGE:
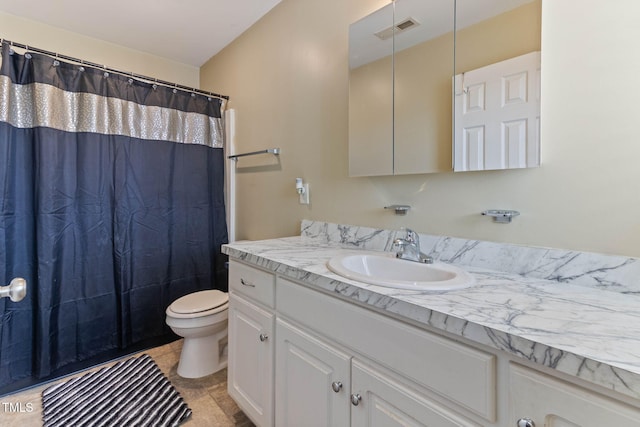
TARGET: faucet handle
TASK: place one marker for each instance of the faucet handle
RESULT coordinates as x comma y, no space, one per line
412,236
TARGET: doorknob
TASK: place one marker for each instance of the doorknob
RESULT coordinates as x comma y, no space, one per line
16,290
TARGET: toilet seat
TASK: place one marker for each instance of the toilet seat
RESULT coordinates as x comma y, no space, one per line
199,304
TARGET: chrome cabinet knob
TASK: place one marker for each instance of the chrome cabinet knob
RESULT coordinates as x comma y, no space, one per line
263,337
355,399
336,386
525,422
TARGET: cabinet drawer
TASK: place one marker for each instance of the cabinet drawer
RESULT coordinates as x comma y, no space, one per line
460,373
252,282
551,402
389,401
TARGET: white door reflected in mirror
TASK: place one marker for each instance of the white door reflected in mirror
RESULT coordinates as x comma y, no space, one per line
497,115
497,85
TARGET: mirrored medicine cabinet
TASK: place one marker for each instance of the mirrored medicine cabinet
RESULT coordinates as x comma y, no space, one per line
429,83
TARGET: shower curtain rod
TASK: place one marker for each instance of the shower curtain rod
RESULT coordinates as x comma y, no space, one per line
113,70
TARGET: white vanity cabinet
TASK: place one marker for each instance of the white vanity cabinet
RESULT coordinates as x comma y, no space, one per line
318,384
251,347
544,401
400,375
302,357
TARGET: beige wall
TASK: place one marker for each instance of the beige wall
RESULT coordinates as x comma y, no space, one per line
371,131
505,36
422,111
54,39
288,80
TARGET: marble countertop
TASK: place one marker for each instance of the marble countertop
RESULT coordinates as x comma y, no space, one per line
589,333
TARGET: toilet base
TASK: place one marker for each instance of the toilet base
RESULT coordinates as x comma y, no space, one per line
202,356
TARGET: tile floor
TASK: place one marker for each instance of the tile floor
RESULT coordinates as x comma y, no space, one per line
207,397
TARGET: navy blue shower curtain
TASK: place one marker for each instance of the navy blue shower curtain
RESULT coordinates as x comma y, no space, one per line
111,207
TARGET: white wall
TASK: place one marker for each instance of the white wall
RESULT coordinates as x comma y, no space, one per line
590,180
54,39
288,81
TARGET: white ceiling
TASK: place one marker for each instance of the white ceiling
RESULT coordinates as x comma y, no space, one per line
186,31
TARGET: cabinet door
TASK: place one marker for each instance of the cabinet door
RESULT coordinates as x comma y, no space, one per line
312,380
250,369
550,402
386,400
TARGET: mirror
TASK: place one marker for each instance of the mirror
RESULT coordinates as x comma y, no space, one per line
497,84
401,95
371,95
400,67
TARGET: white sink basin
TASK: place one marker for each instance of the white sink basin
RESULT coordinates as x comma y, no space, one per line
384,269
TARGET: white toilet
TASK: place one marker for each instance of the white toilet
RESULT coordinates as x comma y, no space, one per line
201,318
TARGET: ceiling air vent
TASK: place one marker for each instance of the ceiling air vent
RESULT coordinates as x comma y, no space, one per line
400,27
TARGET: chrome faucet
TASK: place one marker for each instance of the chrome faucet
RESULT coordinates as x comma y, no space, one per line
409,248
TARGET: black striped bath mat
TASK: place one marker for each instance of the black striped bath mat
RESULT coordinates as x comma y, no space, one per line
133,392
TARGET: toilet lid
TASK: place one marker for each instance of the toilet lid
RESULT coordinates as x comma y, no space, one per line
199,301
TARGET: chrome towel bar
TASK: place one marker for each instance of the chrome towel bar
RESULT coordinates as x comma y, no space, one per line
274,151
